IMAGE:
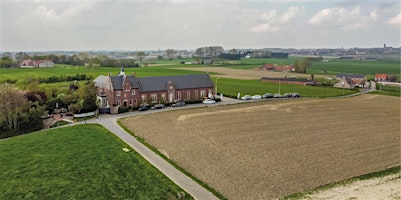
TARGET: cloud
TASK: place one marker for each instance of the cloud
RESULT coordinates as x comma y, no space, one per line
272,22
269,16
373,15
264,27
43,11
334,15
395,20
290,14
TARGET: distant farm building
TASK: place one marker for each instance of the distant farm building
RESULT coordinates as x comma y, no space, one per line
278,68
286,80
37,63
381,77
350,80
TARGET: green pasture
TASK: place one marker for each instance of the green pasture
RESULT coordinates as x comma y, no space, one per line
354,67
68,70
79,162
231,87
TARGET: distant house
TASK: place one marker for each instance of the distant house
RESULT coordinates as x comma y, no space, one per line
345,82
358,80
381,77
129,90
37,63
273,67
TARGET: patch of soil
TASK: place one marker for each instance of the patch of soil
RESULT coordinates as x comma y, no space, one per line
270,149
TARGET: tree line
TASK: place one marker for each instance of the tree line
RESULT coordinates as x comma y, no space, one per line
81,59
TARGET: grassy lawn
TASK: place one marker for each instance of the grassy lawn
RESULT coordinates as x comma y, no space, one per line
79,162
231,87
67,70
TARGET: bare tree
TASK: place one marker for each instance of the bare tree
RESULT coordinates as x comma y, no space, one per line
171,53
12,106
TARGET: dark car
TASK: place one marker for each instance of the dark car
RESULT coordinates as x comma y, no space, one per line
179,104
267,95
143,108
295,95
287,95
158,106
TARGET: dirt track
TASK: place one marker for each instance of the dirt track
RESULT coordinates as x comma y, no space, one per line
273,148
224,72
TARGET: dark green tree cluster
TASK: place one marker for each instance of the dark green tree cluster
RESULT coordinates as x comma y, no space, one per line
302,65
20,113
82,59
208,52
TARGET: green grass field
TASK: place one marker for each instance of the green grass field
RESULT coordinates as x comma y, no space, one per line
355,67
231,87
79,162
66,70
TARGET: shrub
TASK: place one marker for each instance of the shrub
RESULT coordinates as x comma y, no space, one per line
123,109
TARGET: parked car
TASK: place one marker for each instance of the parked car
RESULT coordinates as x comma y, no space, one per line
143,108
246,97
209,101
267,95
277,96
295,95
287,95
158,106
178,104
256,96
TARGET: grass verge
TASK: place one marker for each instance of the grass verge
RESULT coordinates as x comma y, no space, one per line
217,194
78,162
386,172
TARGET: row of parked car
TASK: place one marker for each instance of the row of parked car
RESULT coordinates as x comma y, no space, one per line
160,106
270,95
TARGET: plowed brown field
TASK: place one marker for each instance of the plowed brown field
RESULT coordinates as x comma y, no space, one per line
269,149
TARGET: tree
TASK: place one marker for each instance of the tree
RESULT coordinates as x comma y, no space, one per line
21,56
140,56
171,53
87,97
302,66
233,51
12,106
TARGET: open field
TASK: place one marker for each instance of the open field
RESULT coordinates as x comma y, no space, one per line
79,162
270,149
244,74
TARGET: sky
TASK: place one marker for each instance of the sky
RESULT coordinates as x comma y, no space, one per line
47,25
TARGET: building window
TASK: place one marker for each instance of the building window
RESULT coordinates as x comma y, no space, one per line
143,97
130,102
196,94
118,93
118,103
188,95
133,92
127,87
154,98
164,97
178,96
203,93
